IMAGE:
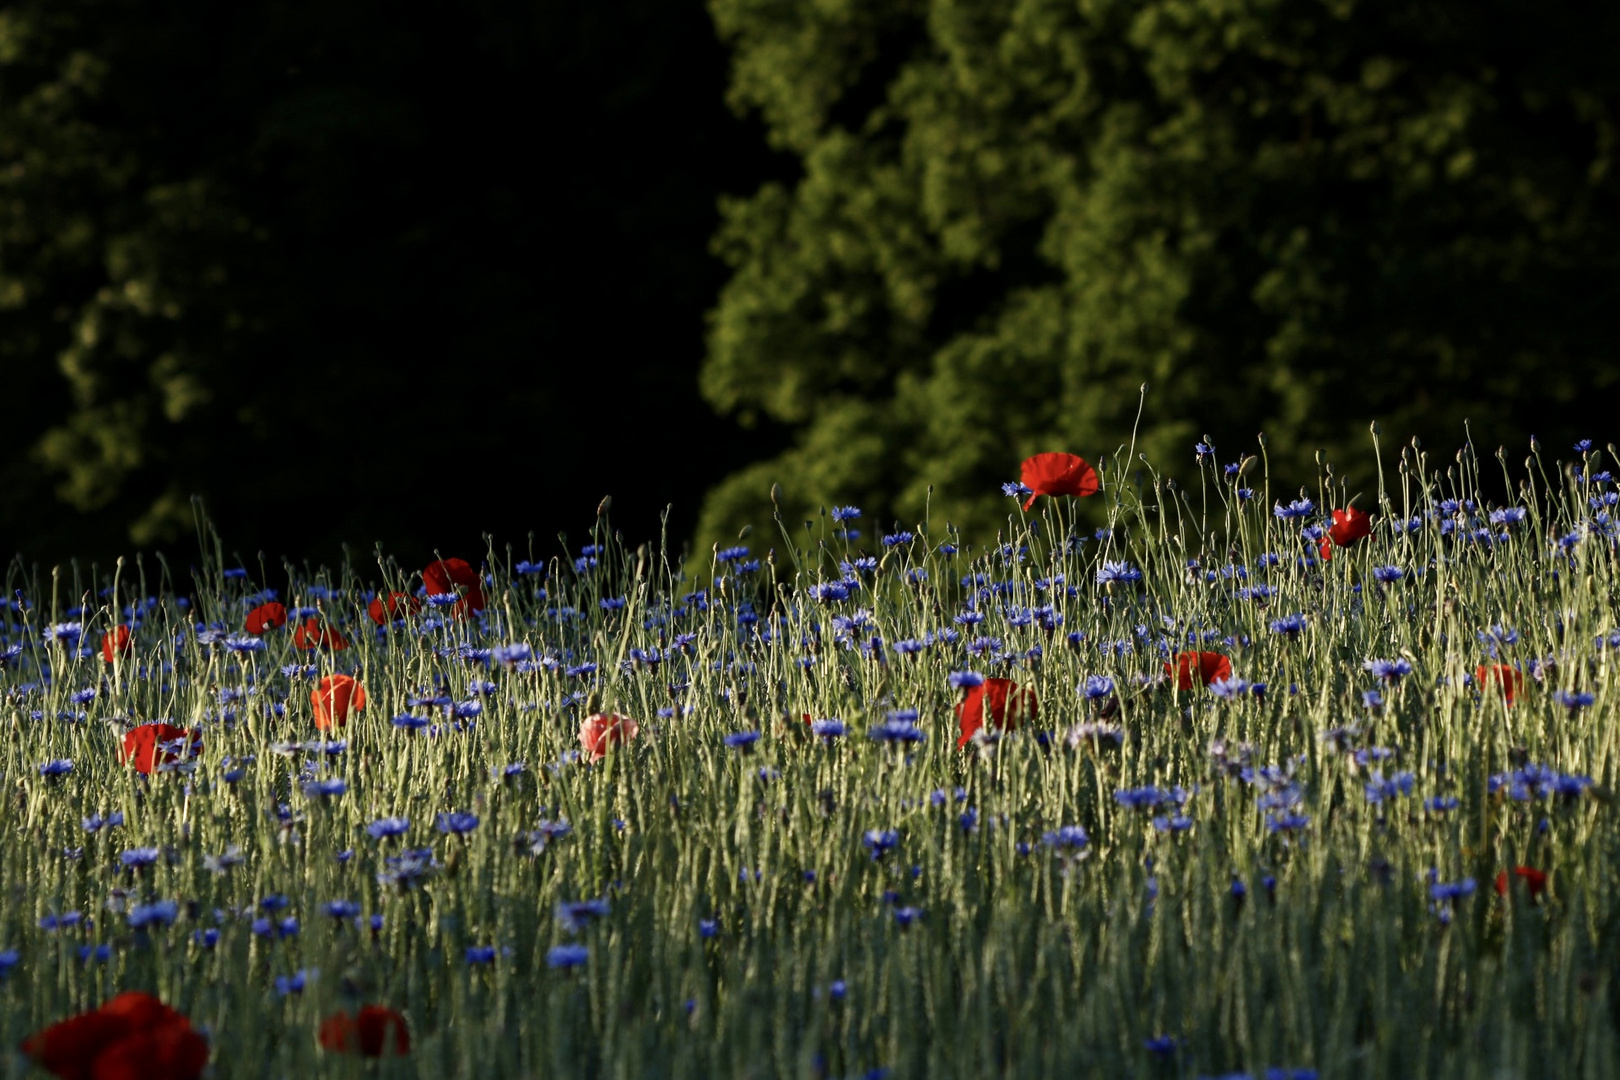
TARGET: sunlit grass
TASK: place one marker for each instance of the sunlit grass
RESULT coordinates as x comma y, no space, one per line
753,929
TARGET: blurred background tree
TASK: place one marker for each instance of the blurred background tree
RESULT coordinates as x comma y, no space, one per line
413,273
1292,216
358,271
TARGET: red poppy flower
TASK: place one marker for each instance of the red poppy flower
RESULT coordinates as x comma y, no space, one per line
1058,474
1510,679
334,698
1348,527
271,616
1534,880
597,733
1199,669
384,610
455,575
314,634
141,746
366,1033
1007,704
117,642
132,1037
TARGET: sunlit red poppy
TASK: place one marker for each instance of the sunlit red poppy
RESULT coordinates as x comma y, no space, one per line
1534,880
334,698
1007,703
132,1037
452,576
1198,669
313,634
1348,526
117,642
271,616
142,745
375,1031
1509,678
1058,474
395,605
597,733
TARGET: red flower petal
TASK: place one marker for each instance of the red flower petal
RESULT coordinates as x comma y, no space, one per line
132,1037
443,576
1058,474
366,1033
597,733
334,698
141,748
384,610
269,616
1349,526
1509,678
1007,704
1198,669
313,634
117,642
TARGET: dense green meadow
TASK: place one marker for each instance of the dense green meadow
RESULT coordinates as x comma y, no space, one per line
1147,877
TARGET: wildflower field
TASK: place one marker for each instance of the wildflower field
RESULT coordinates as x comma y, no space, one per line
1169,780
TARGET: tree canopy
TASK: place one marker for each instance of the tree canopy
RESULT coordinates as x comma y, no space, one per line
361,271
1289,216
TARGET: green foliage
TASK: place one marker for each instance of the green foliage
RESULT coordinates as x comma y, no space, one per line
280,253
1293,216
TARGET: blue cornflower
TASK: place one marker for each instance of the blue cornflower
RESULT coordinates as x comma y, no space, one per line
59,767
731,554
1122,572
1511,515
1016,490
65,921
340,909
905,916
965,680
708,928
1291,625
138,858
1573,700
741,740
880,841
1096,686
1286,822
1379,789
1234,687
384,828
481,954
1452,890
828,729
1067,839
411,723
1388,670
325,789
95,822
159,913
1440,804
894,729
1372,699
508,655
567,956
1163,1046
1386,575
456,822
294,983
898,538
845,513
1299,508
575,915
